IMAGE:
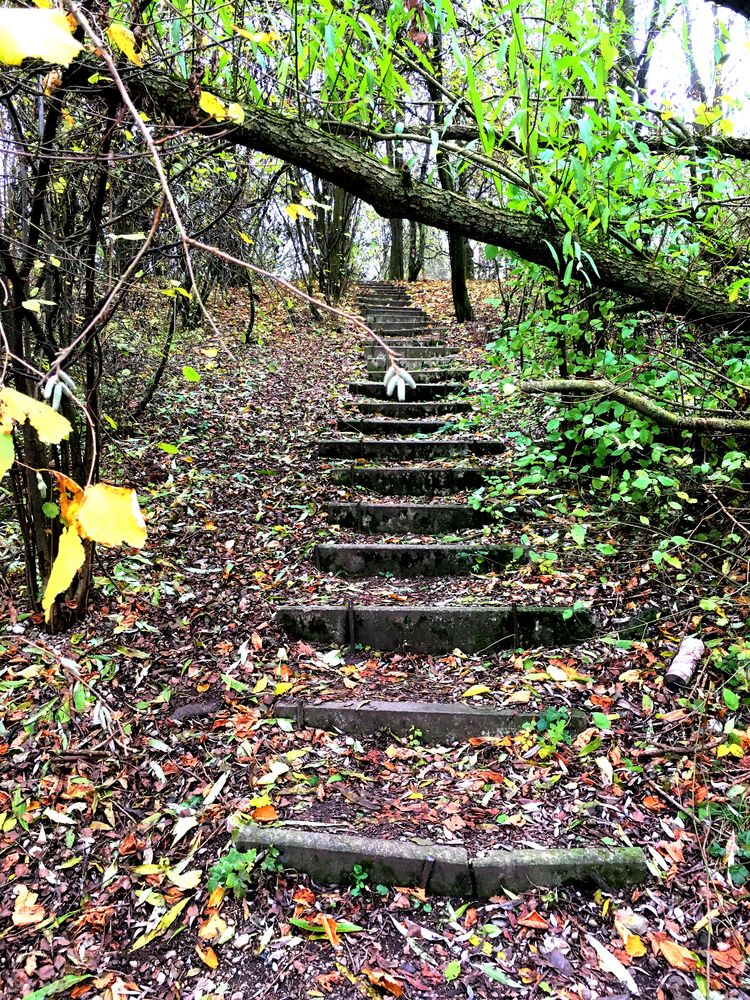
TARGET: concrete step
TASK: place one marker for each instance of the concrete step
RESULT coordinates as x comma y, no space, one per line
428,375
425,409
408,313
424,392
414,480
443,870
377,365
372,351
404,561
431,340
416,518
437,630
436,722
410,450
382,427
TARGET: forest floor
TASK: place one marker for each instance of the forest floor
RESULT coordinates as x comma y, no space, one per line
132,747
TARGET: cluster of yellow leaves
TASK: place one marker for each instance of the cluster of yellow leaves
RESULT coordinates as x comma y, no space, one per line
109,515
217,109
37,34
15,407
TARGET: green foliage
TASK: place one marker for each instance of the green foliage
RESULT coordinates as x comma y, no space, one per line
233,871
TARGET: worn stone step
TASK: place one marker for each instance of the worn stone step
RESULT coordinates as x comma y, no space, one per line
414,409
437,630
413,449
444,870
414,480
376,366
436,722
375,353
428,375
397,341
382,427
425,391
406,313
415,518
420,559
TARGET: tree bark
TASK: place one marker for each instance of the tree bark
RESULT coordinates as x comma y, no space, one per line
639,403
383,187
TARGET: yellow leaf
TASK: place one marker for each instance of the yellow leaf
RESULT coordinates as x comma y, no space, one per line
236,113
164,924
71,555
185,880
208,956
36,34
294,212
213,106
634,946
124,39
259,37
110,515
7,453
474,690
26,910
51,426
726,126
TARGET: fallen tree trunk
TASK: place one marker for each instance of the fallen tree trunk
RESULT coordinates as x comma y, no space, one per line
636,401
533,238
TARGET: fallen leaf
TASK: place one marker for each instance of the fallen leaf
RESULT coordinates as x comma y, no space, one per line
164,924
611,964
678,956
26,910
534,920
474,690
384,981
207,955
265,814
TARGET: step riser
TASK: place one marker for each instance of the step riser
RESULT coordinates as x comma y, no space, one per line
405,561
436,630
423,393
407,451
430,375
418,519
373,354
377,366
435,722
380,428
409,482
406,341
387,409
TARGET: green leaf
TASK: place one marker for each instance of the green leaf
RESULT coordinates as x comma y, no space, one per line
498,976
578,533
452,971
164,924
59,986
731,700
50,509
601,721
171,449
7,453
190,374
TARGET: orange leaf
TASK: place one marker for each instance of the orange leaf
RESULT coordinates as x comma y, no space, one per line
534,920
653,803
208,956
678,956
265,814
215,899
304,896
384,981
417,892
329,926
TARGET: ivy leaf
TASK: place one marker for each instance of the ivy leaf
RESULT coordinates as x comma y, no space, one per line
37,34
124,40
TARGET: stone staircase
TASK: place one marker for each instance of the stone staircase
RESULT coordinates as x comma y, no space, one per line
405,454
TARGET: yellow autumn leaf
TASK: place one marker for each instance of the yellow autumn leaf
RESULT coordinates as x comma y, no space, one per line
236,113
124,39
164,924
71,555
7,453
294,212
474,690
213,106
36,34
110,515
51,426
207,955
259,37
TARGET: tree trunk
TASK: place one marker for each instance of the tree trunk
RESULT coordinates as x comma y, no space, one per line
396,259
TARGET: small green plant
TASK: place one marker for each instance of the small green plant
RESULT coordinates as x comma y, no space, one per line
414,739
233,871
552,730
360,878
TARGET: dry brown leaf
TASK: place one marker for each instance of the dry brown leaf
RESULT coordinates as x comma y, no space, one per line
678,956
534,920
26,910
384,981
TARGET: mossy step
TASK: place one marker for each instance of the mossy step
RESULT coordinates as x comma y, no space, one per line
414,518
414,481
414,449
418,559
